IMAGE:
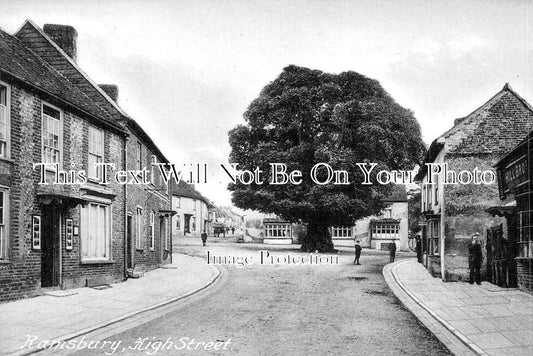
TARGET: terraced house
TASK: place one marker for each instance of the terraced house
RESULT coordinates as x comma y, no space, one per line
51,112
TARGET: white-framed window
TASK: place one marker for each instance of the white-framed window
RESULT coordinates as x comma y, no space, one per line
96,152
193,223
151,232
278,230
95,231
51,134
177,222
341,231
4,223
138,227
388,231
5,127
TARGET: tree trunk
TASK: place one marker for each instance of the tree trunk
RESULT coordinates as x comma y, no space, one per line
318,237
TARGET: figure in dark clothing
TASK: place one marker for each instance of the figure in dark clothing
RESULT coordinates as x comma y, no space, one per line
475,259
204,237
233,230
392,251
358,249
419,249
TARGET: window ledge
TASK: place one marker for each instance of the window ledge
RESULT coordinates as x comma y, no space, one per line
97,262
523,258
5,262
5,159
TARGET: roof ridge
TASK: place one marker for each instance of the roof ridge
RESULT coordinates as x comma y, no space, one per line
75,66
463,120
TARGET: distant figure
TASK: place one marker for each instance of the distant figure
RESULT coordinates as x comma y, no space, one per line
392,250
358,249
204,237
475,259
419,249
233,230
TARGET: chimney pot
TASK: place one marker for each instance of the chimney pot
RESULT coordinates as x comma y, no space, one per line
111,90
64,36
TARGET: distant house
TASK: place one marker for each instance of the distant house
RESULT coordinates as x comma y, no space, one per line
192,211
377,232
452,213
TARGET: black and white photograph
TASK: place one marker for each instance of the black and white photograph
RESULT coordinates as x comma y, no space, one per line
249,177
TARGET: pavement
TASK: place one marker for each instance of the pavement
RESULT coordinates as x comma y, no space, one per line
469,319
68,314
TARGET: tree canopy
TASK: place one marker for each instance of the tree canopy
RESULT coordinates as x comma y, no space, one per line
305,117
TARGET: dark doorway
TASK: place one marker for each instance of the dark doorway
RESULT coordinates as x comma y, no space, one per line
187,228
129,242
50,246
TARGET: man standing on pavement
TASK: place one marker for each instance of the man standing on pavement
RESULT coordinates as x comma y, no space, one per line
392,250
204,237
358,249
475,259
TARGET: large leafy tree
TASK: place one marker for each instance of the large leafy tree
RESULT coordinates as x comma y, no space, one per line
305,117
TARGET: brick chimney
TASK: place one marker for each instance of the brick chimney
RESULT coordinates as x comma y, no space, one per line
64,36
111,90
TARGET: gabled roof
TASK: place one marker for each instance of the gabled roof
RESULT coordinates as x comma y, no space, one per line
493,128
20,63
39,42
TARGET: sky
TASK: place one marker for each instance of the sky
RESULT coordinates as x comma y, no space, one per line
187,70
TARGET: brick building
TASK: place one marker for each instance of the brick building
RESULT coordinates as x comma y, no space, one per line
54,235
68,235
452,213
149,213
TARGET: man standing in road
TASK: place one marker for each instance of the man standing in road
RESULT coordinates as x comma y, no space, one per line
204,237
392,250
358,249
475,259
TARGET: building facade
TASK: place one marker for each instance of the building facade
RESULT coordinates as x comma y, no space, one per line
276,231
61,226
510,245
192,212
378,231
148,210
452,213
54,234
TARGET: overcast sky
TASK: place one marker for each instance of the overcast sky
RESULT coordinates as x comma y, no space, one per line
187,70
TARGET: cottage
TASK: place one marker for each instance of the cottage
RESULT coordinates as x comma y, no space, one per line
453,212
193,211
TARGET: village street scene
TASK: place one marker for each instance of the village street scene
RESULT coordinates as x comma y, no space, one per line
256,178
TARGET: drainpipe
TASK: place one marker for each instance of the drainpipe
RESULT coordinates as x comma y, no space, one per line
126,139
442,223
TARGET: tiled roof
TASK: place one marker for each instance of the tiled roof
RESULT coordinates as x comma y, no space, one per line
22,64
183,189
494,128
